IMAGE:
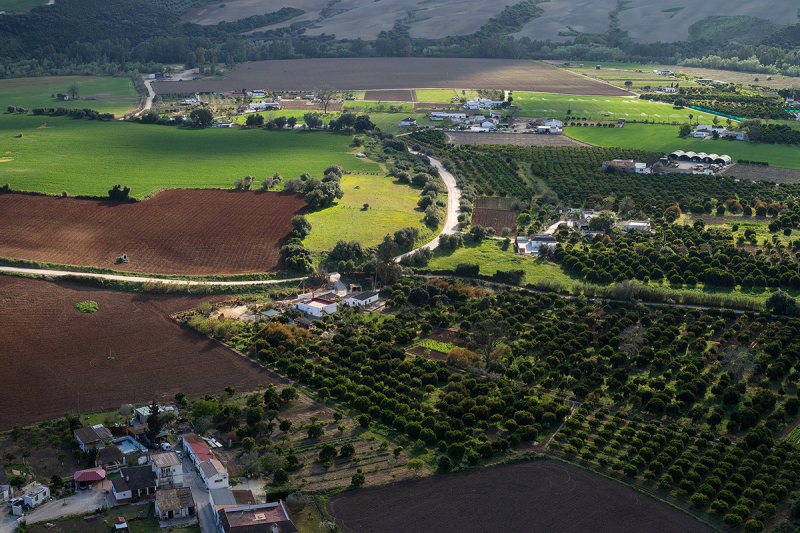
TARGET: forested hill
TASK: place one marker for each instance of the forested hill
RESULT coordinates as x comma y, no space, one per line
84,31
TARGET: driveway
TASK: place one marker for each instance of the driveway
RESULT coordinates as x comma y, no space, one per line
192,479
8,523
453,199
82,502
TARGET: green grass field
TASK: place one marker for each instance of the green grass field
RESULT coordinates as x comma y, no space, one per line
639,136
88,157
12,5
665,139
601,108
392,207
107,95
491,258
444,95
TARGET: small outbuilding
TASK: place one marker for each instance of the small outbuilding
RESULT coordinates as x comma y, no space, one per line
361,299
36,497
174,503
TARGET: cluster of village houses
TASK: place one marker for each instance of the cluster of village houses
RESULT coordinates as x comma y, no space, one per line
156,474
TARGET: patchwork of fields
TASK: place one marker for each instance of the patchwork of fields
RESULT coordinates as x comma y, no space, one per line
88,157
400,73
128,351
176,232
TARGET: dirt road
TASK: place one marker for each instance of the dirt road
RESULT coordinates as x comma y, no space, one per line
453,199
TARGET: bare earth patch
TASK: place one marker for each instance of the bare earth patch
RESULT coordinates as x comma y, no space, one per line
759,173
535,496
175,232
517,139
129,351
389,96
401,73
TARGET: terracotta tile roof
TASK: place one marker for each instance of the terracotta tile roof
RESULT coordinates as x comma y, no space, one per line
257,519
202,451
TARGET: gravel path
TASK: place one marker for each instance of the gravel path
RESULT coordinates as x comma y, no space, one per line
55,273
453,199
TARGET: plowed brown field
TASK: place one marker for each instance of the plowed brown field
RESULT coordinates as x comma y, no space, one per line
371,73
176,232
389,96
540,496
129,351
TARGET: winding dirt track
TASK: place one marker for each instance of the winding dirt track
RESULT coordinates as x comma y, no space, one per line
536,496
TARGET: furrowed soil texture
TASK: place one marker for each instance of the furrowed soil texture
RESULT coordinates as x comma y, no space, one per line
129,351
489,217
176,232
460,138
389,96
400,73
539,496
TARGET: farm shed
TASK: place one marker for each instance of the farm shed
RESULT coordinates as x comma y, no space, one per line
120,524
270,314
36,497
304,323
214,474
135,483
317,307
111,459
90,475
91,437
639,225
174,503
262,518
361,299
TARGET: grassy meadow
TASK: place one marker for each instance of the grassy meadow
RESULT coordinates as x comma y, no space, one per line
665,139
88,157
393,206
638,136
444,95
103,94
602,108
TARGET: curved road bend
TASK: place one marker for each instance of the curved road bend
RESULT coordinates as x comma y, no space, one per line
453,199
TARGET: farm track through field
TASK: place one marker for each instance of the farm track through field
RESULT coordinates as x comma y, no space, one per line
189,232
129,351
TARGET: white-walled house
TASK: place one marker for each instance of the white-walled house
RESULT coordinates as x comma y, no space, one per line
406,122
214,474
361,299
168,469
317,307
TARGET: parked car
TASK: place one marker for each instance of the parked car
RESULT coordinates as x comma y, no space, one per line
14,501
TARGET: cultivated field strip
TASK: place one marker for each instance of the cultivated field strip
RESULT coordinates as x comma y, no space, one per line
128,351
399,73
191,232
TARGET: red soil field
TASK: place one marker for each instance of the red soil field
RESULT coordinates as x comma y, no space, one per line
176,232
389,96
128,351
372,73
493,218
537,496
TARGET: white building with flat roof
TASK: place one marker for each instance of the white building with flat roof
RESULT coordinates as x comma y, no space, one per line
317,307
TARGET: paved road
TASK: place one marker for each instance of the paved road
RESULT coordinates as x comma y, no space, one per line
56,273
82,502
8,523
192,479
450,224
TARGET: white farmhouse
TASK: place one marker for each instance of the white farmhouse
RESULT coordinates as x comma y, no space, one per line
214,474
317,307
361,299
